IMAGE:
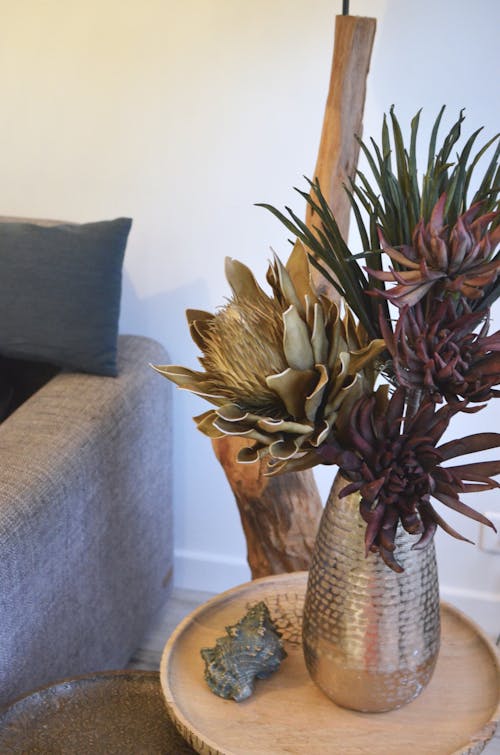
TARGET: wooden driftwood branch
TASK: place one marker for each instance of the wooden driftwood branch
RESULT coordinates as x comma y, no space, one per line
343,120
280,515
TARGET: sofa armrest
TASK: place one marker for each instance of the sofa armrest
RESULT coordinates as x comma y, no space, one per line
85,520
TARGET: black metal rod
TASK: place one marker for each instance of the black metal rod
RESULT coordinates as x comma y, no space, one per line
345,7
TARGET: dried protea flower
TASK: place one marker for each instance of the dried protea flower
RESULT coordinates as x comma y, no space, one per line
279,369
438,353
448,260
396,465
439,238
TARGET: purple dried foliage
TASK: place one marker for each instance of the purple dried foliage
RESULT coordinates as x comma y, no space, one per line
395,463
438,352
443,259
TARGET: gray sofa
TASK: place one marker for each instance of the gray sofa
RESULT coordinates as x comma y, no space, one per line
85,521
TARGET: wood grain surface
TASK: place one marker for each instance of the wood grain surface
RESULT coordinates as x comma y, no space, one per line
343,121
457,713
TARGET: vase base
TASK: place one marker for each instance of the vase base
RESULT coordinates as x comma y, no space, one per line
363,690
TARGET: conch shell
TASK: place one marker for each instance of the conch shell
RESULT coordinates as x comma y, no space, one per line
252,649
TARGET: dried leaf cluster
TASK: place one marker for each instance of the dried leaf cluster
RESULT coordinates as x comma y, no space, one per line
286,371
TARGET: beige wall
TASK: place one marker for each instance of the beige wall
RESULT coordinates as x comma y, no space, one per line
182,114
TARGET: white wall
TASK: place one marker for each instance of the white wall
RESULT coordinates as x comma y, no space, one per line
183,114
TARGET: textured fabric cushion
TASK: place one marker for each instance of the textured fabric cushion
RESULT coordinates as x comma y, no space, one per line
85,521
60,292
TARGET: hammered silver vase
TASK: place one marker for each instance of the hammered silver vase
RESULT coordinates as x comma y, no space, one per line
370,636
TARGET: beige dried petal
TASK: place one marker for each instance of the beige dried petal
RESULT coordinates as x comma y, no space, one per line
240,430
279,368
284,426
179,375
366,355
319,341
191,380
337,378
205,423
292,386
322,433
251,454
199,326
347,394
296,341
193,315
232,413
287,287
300,273
285,449
297,463
314,400
242,281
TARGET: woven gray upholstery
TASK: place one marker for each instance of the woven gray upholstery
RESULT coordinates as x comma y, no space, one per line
85,521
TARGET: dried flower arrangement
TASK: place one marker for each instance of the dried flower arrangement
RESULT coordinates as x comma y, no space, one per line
297,380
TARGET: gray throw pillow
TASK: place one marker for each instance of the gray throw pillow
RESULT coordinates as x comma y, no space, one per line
60,291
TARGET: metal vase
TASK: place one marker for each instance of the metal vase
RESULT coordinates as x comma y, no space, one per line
370,636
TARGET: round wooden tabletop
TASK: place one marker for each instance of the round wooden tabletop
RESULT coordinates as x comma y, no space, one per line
457,713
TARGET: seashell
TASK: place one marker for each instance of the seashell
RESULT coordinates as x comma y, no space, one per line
252,649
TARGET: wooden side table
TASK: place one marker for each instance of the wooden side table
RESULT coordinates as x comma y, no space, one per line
457,713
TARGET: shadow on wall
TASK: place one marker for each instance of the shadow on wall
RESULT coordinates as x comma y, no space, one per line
163,317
